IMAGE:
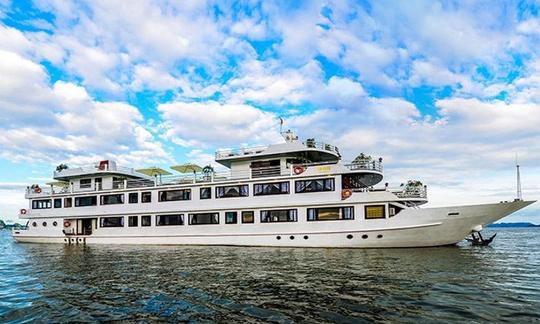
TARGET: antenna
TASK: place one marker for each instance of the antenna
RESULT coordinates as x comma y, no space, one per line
281,125
519,193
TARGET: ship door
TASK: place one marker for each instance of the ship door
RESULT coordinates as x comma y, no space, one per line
86,226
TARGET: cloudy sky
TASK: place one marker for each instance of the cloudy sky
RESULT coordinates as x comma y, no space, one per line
447,92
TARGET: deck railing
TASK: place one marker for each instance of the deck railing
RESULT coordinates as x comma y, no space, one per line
412,192
365,165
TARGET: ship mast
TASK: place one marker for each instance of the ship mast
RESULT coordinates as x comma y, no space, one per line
518,180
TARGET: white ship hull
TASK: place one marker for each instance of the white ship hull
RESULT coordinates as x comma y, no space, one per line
411,228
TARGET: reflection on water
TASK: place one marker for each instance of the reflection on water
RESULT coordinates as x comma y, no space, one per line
92,283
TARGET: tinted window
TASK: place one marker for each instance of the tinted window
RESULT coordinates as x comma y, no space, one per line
206,193
248,217
146,221
284,215
274,188
174,195
205,218
68,202
167,220
58,203
112,199
337,213
133,221
85,201
111,222
232,191
315,185
146,197
231,217
85,183
41,204
133,197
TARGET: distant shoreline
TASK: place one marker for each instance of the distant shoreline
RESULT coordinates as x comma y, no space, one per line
518,224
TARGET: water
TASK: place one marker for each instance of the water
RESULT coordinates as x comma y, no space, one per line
57,283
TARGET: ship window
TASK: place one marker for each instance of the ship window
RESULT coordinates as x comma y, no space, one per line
283,215
34,224
232,191
205,218
248,216
315,185
274,188
169,220
58,203
55,223
68,202
337,213
146,197
393,210
111,222
85,201
206,193
133,197
112,199
146,220
133,221
231,217
41,204
374,212
85,183
174,195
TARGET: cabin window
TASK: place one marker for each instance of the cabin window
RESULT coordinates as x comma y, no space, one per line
58,203
315,185
146,220
203,219
174,195
169,220
374,212
133,197
68,202
85,201
112,199
231,217
111,222
283,215
146,197
335,213
274,188
232,191
85,183
248,216
133,221
393,210
41,204
206,193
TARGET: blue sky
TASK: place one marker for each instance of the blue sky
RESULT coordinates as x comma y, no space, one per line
446,92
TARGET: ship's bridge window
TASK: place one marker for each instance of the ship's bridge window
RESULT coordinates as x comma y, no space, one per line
374,211
58,203
85,183
314,185
274,188
283,215
133,197
334,213
232,191
133,221
248,216
174,195
41,204
68,202
146,221
231,217
206,193
204,218
112,199
146,197
111,221
169,220
85,201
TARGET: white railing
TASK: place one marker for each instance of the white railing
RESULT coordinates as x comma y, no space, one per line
90,168
365,165
412,192
225,153
321,146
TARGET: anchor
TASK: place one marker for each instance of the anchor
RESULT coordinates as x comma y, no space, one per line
479,240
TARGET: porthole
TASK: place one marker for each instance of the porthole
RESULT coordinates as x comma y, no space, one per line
291,237
55,224
379,236
34,224
349,236
306,237
44,224
278,237
65,240
364,236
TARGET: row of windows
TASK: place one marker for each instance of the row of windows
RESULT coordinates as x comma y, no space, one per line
260,189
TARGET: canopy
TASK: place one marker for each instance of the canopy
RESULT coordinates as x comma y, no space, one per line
187,168
58,183
153,171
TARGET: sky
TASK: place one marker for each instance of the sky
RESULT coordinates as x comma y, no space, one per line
447,92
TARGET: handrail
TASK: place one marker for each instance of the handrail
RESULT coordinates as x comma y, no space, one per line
411,192
365,165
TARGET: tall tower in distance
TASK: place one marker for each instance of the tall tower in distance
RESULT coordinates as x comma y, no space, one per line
519,194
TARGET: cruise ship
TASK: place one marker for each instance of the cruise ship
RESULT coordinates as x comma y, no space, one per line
292,194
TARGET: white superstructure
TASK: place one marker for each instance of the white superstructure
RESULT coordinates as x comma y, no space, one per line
290,194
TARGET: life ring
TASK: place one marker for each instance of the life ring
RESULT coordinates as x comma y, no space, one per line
298,170
23,211
37,190
67,224
346,193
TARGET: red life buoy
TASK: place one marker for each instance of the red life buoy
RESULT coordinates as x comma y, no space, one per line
37,190
23,211
298,169
67,224
346,194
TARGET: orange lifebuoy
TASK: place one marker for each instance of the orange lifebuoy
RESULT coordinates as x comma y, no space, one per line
298,169
37,190
23,211
67,224
346,193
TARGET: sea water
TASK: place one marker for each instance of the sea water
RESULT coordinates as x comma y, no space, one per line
59,283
